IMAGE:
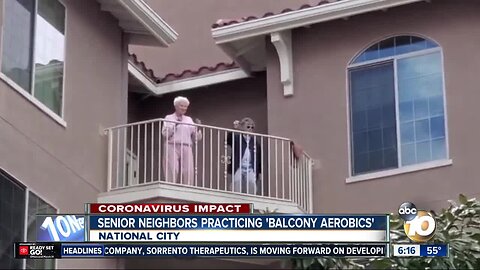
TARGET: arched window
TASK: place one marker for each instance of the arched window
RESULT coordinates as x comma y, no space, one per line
397,105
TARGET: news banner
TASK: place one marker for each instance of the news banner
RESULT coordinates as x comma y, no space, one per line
223,230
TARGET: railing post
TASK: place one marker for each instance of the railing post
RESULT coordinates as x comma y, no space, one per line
310,185
110,159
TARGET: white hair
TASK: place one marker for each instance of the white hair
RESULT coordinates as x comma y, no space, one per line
179,100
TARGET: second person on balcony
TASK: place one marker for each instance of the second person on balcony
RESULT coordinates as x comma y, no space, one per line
246,153
180,134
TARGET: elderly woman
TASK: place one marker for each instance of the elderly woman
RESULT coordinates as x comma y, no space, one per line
246,153
180,135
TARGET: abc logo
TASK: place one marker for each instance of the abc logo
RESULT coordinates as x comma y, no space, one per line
419,225
407,211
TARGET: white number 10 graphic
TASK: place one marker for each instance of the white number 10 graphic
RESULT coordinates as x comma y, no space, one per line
65,225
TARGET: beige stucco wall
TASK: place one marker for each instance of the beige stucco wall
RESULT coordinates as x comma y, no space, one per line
67,166
321,54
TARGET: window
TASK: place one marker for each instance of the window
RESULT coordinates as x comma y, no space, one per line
13,199
397,102
33,49
12,203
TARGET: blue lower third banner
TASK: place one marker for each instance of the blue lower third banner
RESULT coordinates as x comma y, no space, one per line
240,229
230,250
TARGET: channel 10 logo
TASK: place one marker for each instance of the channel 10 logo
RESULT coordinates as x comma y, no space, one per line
419,225
61,228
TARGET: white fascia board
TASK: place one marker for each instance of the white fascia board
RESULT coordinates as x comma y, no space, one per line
302,17
200,81
144,79
151,21
188,83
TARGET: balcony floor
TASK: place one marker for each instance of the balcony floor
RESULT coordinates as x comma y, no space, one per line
170,192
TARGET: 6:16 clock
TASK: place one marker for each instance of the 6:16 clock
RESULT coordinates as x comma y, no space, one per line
406,250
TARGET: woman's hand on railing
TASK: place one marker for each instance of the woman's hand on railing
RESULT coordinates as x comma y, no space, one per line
168,130
197,133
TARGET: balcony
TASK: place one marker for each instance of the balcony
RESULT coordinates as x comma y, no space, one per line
147,162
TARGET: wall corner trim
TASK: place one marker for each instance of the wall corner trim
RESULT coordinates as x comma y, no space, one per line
283,44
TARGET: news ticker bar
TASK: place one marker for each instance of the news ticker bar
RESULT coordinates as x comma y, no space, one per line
96,250
423,250
251,228
169,208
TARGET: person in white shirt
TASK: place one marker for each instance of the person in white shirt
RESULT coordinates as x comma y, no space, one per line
246,153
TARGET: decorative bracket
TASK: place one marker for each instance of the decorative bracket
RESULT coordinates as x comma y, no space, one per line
283,44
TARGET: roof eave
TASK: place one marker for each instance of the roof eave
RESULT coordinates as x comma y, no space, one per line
187,83
300,18
143,25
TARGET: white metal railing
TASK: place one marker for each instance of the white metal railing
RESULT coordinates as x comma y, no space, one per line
208,157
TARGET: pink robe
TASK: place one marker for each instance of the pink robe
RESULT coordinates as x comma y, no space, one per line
178,158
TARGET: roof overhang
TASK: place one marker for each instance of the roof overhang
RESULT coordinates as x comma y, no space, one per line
147,85
237,39
140,22
302,17
245,41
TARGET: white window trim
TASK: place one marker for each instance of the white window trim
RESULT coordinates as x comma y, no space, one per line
25,232
394,57
33,100
30,97
401,169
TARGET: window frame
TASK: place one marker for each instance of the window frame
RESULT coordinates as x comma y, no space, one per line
401,168
27,191
60,119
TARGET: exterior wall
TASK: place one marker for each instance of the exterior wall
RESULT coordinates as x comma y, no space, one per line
67,166
216,105
192,19
321,54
